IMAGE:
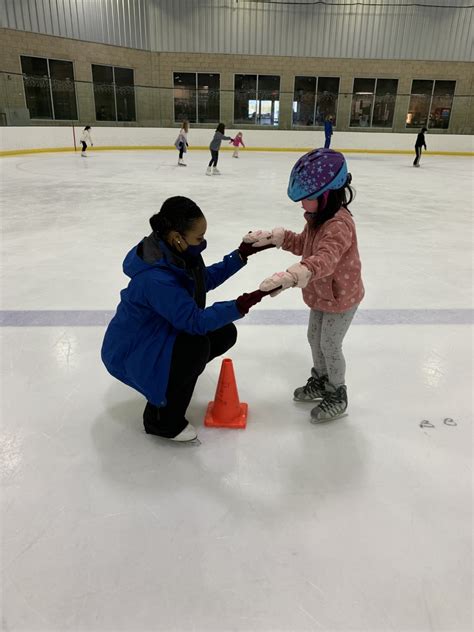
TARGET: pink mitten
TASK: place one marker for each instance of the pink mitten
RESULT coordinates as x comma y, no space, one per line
277,283
297,275
301,274
261,238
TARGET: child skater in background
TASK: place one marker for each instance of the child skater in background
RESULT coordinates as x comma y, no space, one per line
238,140
420,142
214,147
329,273
181,143
86,139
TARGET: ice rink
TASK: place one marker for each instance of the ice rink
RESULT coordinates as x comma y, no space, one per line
361,524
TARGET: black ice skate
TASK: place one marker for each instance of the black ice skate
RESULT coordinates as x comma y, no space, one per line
333,406
314,389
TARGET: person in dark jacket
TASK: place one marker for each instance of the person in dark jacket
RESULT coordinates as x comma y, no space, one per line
328,131
420,142
214,147
162,335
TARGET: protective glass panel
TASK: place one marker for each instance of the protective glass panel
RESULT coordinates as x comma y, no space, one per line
36,85
125,94
104,93
185,96
362,102
208,97
304,97
63,89
385,98
245,94
328,89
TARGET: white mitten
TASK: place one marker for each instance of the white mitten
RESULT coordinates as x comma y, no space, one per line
259,238
296,276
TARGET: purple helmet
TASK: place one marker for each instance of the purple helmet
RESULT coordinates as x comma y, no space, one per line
316,172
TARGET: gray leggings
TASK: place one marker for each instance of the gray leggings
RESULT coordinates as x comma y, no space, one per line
326,332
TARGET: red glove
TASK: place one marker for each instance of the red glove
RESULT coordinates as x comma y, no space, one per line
245,250
246,301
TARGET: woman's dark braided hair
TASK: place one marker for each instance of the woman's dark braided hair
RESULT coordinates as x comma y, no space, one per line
177,213
337,199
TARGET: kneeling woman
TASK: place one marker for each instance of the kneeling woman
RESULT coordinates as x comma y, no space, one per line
162,335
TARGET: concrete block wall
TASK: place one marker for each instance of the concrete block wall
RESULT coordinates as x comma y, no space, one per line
154,103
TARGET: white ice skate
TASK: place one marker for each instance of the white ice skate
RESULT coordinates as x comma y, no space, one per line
186,435
209,171
216,172
181,163
83,154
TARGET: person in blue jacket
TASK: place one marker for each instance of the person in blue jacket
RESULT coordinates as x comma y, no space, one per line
163,335
328,131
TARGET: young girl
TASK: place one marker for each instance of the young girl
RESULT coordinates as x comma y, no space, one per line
86,138
181,143
329,272
163,335
214,147
238,140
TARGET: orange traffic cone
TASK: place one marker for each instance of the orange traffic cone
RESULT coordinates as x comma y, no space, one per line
226,411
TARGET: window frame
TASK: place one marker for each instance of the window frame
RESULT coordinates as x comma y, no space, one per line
53,118
196,90
455,81
317,77
374,94
115,92
257,74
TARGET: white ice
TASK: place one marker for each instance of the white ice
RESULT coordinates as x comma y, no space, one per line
362,524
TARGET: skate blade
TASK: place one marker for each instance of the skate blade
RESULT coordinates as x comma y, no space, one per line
191,442
317,422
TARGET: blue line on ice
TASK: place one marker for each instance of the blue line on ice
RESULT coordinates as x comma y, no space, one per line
100,318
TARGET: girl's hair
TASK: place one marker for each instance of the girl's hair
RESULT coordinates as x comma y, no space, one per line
87,127
177,213
220,128
185,126
423,129
337,199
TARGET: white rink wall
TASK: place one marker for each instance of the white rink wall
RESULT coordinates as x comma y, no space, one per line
31,138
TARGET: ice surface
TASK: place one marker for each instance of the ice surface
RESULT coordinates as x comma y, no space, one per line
362,524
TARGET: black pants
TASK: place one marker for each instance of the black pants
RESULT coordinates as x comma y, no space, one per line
181,150
418,155
189,359
84,145
214,158
327,142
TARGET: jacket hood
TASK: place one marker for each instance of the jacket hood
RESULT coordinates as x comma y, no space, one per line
133,264
147,254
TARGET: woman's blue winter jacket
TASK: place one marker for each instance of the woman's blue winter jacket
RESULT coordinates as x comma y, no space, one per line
158,303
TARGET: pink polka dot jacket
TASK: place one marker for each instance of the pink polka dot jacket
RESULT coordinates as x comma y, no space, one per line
330,252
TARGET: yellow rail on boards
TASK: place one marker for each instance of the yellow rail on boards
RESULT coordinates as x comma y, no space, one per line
301,150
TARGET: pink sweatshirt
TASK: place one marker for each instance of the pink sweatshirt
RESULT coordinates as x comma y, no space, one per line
330,252
237,141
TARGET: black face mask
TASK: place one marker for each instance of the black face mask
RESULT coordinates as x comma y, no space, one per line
194,251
